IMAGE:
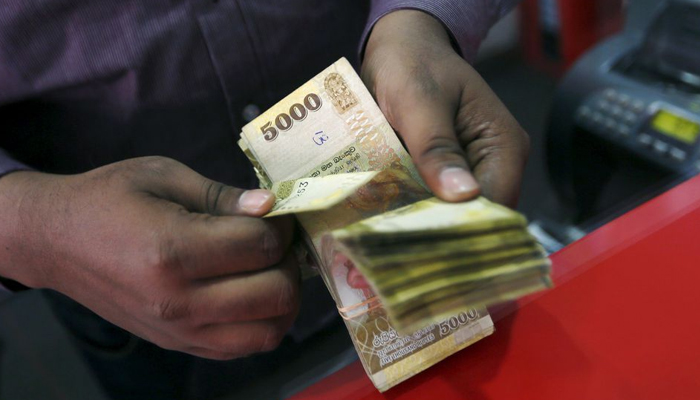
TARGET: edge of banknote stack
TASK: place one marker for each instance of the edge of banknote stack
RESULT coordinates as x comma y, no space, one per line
475,253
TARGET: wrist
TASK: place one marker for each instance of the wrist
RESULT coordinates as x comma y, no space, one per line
408,28
20,254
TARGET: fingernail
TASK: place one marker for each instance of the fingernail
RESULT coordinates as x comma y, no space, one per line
255,200
457,181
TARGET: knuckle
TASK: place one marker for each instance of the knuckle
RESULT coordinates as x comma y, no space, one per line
150,253
166,257
488,130
525,140
286,297
243,301
156,167
212,195
271,247
157,163
439,147
483,152
171,309
271,339
137,173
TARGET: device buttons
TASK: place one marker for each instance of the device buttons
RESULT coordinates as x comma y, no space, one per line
616,111
610,94
677,155
624,100
612,98
623,130
645,139
661,147
597,117
630,118
638,106
584,113
610,125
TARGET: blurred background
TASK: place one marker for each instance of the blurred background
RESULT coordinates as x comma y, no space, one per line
524,59
609,92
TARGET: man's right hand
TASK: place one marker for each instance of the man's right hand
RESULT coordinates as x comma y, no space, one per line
157,249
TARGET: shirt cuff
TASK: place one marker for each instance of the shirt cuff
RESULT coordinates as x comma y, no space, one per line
467,21
4,292
9,164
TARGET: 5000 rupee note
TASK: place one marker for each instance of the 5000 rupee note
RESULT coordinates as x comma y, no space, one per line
331,125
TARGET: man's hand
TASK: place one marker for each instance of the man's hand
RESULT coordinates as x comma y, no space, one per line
157,249
453,125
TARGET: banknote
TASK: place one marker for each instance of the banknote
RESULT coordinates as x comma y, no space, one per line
446,267
446,220
431,259
314,194
330,126
397,255
389,357
501,289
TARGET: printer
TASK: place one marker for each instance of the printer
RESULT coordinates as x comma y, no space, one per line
625,121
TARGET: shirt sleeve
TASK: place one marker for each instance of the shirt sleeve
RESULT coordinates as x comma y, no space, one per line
9,164
468,21
4,292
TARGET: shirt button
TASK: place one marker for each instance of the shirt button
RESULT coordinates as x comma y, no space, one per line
250,112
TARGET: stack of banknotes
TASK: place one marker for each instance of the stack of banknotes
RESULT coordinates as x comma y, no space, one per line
431,259
429,267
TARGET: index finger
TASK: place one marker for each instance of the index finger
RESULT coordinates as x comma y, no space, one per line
201,246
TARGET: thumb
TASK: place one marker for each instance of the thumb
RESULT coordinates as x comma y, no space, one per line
427,127
182,185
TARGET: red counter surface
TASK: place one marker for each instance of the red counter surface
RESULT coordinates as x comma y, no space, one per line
623,322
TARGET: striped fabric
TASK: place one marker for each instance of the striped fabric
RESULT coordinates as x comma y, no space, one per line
88,83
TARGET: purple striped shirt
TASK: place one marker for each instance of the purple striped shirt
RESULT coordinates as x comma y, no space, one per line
87,83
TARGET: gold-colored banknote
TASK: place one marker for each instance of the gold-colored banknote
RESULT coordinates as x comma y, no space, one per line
435,218
331,125
481,255
315,194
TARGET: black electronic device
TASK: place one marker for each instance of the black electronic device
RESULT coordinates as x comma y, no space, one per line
632,104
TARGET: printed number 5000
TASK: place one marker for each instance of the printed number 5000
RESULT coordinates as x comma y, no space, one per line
458,320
